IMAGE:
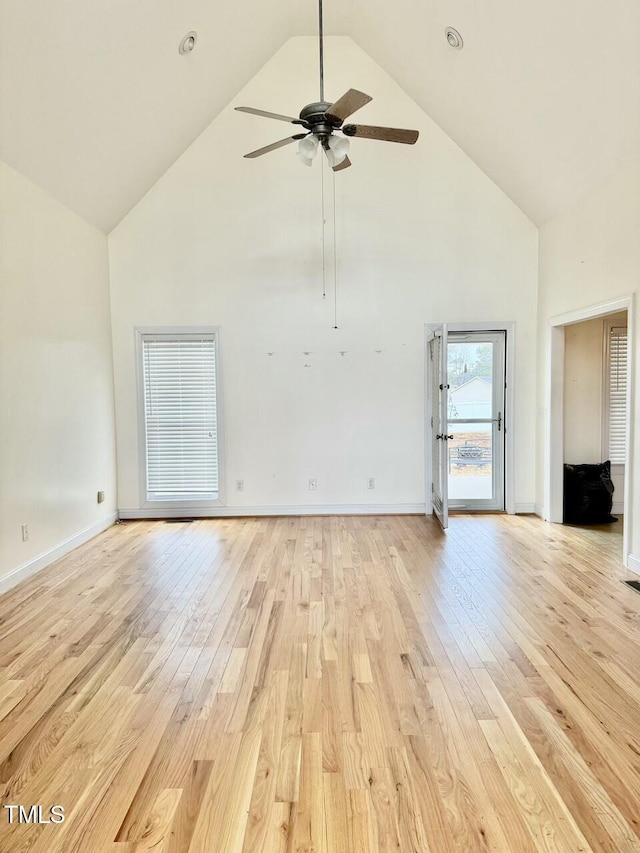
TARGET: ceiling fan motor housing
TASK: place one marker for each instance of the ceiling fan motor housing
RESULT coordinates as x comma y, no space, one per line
315,118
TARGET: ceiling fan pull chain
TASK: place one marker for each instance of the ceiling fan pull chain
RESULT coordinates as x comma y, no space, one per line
335,258
324,220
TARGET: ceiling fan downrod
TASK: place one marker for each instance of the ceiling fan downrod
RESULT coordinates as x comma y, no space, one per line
321,34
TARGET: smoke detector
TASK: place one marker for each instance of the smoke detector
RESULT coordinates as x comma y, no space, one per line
454,39
188,43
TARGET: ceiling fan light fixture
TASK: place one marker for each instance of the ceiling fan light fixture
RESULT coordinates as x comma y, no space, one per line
338,149
307,149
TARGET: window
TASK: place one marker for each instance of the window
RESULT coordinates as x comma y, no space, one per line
615,426
180,398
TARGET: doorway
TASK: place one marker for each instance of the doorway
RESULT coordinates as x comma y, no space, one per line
590,403
469,442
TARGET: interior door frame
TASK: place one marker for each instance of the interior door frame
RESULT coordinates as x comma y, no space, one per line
552,509
510,425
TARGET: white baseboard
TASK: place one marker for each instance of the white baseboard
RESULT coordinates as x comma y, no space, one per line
243,511
525,509
48,557
537,508
633,563
618,508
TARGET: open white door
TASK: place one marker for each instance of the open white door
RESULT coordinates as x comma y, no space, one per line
437,437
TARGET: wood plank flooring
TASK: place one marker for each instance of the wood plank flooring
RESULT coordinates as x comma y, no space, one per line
325,684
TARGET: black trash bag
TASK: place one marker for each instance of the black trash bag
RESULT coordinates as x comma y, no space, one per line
588,494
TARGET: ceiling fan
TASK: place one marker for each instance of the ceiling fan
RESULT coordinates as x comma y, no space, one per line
323,121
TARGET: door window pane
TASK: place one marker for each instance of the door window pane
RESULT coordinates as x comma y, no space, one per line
470,461
475,451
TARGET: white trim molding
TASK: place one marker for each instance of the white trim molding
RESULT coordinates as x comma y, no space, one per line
248,511
602,309
526,509
633,563
60,550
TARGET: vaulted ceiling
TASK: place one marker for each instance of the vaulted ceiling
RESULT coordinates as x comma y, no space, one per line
96,102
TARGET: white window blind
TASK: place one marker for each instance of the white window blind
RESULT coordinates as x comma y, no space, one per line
180,412
617,394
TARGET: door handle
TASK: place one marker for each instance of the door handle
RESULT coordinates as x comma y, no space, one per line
444,437
499,421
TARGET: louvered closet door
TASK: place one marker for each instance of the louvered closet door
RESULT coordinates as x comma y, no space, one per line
617,394
181,424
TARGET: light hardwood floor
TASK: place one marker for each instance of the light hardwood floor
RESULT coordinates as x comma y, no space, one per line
327,685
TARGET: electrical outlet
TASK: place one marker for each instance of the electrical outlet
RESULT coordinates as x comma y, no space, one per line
25,532
100,497
239,485
371,483
313,485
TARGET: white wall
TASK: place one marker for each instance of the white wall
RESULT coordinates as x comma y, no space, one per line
423,236
589,256
57,442
583,392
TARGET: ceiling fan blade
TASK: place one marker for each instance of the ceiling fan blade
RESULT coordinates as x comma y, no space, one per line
274,145
265,114
343,165
348,104
385,134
